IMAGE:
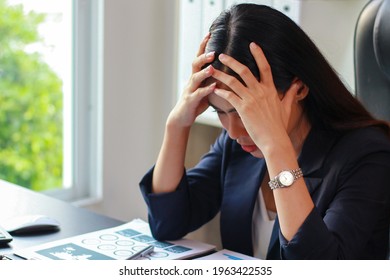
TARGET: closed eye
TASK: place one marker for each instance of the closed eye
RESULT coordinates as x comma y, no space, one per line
219,111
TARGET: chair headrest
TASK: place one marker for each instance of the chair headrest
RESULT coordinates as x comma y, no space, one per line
382,37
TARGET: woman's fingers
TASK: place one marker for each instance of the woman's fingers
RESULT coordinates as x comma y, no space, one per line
230,81
250,81
202,46
262,64
242,70
202,58
202,92
199,62
198,77
229,96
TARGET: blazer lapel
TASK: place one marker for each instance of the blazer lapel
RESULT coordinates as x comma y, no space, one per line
242,184
313,154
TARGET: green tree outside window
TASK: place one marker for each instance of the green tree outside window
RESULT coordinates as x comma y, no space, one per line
31,153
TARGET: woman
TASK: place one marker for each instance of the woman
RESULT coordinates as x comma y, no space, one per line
300,171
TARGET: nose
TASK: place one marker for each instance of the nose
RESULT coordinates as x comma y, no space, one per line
235,127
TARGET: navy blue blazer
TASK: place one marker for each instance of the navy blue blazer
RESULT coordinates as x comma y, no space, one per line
347,175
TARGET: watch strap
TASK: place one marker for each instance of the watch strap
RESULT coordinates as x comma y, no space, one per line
275,183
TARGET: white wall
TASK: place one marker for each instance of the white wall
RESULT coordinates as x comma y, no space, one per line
331,24
139,47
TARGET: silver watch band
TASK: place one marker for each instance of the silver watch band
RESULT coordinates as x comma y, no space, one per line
275,182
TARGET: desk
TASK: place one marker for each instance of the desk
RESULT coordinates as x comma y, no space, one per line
15,200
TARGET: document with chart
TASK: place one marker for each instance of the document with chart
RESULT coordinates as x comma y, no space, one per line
117,243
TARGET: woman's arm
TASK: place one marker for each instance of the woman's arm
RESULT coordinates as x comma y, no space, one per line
170,162
196,200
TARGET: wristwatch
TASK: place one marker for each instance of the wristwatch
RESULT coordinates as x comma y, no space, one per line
285,178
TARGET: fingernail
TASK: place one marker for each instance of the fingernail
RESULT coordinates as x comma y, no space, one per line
222,56
253,45
210,54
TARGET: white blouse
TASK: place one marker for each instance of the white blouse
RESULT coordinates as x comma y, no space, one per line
262,224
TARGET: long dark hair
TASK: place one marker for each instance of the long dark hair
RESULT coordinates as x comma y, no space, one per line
291,54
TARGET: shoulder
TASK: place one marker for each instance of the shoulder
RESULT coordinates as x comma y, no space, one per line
368,139
334,148
362,146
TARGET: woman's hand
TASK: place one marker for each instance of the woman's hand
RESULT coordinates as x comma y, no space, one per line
264,112
193,101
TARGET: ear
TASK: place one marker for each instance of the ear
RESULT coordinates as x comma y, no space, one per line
296,92
303,90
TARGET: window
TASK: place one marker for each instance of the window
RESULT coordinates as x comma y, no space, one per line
50,84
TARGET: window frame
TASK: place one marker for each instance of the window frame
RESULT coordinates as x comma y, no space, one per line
87,113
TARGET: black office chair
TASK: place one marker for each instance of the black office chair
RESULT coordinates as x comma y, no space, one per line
372,58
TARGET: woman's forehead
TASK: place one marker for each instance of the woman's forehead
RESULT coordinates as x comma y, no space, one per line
219,103
214,99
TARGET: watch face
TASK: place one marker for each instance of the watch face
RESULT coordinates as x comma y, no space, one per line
286,178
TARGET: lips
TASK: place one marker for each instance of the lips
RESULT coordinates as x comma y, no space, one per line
249,148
